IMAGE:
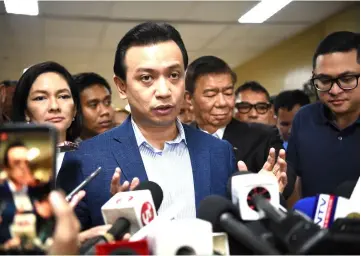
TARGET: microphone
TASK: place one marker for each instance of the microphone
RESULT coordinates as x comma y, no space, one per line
296,233
325,209
155,190
345,189
182,237
123,248
224,217
116,232
243,185
137,206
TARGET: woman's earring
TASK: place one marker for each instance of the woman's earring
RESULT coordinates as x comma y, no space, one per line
27,120
73,119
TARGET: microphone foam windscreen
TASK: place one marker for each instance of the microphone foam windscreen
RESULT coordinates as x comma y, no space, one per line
212,207
229,183
155,190
306,205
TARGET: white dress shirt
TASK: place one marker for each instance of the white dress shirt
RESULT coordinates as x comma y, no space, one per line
218,134
171,169
21,197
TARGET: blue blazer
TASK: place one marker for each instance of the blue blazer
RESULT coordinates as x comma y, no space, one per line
212,163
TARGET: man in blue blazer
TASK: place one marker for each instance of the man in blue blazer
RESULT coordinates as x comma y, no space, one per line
152,144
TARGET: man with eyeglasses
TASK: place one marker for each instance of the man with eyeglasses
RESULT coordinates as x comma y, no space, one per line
210,84
253,104
324,146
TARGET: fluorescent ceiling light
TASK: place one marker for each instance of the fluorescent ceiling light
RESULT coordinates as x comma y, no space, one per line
263,11
25,7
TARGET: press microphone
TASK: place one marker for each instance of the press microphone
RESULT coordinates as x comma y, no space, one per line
325,209
243,185
116,232
182,237
138,206
224,217
345,189
296,233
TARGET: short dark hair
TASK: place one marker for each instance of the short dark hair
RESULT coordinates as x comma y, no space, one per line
88,79
13,144
9,82
289,99
253,86
203,66
26,82
146,34
341,41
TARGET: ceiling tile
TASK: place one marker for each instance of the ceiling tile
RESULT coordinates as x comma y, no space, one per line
76,8
199,31
26,25
253,36
308,11
71,43
71,28
149,10
113,33
220,10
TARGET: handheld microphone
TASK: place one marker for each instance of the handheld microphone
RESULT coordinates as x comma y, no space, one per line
298,234
345,189
116,232
243,185
325,209
182,237
136,206
223,216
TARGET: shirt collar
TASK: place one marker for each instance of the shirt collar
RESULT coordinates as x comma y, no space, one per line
12,188
141,139
219,133
326,115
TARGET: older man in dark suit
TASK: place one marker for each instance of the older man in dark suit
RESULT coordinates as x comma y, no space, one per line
210,82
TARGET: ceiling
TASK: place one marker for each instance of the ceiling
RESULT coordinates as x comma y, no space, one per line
83,35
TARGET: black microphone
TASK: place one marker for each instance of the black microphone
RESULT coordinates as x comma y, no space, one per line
224,217
155,190
116,232
296,233
345,189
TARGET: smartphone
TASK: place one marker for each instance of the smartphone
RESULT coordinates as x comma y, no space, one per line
27,175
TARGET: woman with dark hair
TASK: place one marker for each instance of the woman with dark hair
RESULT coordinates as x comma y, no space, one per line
46,93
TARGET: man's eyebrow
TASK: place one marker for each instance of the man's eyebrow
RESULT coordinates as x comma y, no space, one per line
210,90
342,74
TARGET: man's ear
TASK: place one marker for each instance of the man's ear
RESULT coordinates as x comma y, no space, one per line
187,96
121,86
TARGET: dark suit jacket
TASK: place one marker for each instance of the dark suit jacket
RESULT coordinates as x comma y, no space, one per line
8,210
251,143
212,164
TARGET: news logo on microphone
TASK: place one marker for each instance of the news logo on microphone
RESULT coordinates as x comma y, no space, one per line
136,206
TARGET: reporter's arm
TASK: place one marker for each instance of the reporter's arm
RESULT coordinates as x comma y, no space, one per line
65,239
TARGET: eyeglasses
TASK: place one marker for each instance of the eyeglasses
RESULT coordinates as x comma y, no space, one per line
345,82
245,107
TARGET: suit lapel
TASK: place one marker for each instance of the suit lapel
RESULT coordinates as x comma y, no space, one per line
126,152
230,135
200,159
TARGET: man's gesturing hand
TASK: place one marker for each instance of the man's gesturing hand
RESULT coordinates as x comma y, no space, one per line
115,186
277,168
272,167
